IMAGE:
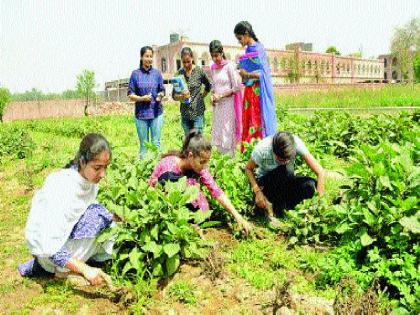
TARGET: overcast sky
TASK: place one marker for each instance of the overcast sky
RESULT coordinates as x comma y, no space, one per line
44,44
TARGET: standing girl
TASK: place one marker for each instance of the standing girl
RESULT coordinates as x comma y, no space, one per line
226,100
192,112
259,113
147,90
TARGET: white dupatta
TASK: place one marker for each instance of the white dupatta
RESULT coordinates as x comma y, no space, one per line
56,208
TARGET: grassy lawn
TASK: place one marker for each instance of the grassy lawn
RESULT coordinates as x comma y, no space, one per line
388,96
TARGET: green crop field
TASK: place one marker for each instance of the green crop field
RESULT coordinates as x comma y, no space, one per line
357,248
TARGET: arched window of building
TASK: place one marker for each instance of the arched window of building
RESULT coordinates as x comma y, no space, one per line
164,65
385,63
291,63
309,65
394,61
283,63
205,58
178,61
275,64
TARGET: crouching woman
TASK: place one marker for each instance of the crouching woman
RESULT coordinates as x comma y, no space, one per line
65,218
192,162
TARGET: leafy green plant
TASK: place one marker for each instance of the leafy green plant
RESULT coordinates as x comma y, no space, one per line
313,221
230,176
5,98
15,142
183,292
380,233
156,233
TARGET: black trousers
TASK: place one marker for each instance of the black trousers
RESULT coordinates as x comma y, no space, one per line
285,190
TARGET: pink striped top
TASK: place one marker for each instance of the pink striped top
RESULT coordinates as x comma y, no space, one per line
170,164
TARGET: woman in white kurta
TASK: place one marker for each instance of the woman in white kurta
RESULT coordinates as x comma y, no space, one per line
65,218
226,101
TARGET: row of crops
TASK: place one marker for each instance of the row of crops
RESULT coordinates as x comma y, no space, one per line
369,226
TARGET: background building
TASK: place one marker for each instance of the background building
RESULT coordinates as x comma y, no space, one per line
296,65
300,45
391,71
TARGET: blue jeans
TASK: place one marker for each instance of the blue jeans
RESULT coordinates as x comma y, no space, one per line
188,124
143,127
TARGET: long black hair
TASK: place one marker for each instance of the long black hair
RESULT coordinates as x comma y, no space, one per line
284,145
142,52
244,27
187,51
195,143
90,147
216,47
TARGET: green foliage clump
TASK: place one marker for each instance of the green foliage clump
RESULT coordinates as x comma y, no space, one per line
230,176
5,98
183,292
339,133
15,143
68,128
376,225
156,233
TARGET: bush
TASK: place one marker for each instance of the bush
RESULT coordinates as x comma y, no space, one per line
15,143
5,98
156,233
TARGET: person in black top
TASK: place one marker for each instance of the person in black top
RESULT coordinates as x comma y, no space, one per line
192,101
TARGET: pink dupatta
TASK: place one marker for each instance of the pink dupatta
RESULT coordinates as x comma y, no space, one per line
237,97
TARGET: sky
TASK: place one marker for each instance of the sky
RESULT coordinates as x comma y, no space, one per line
45,44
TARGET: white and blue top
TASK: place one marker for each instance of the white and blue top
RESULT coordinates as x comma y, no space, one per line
263,154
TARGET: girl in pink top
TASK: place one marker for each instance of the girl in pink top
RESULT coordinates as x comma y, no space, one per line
192,163
226,100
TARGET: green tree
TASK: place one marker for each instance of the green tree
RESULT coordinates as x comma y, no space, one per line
71,94
85,84
417,67
5,98
405,44
333,50
356,54
32,95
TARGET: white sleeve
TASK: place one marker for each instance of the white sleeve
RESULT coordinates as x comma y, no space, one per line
301,148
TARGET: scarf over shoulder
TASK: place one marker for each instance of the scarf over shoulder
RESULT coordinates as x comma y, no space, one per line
237,94
56,208
268,109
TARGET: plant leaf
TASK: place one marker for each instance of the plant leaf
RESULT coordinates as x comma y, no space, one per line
171,249
172,265
366,240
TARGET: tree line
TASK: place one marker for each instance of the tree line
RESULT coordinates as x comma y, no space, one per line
86,82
